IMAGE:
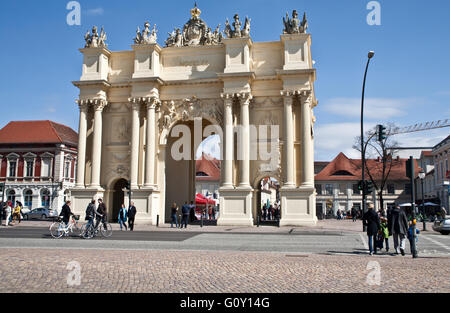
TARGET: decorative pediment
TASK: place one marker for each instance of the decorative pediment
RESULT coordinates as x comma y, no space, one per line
29,155
47,155
13,156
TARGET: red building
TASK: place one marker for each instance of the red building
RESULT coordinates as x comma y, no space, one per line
37,162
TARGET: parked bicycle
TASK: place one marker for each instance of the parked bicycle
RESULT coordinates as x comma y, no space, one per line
59,229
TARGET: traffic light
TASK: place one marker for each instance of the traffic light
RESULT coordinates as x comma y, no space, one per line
360,185
381,132
369,187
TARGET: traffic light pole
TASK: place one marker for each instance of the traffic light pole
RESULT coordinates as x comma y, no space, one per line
413,206
363,152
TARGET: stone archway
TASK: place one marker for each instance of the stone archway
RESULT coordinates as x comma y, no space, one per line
117,199
180,167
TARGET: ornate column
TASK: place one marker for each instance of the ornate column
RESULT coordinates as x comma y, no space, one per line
245,99
307,140
134,166
228,138
99,105
288,139
82,130
152,104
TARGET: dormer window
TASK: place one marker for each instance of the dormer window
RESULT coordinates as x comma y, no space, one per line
342,173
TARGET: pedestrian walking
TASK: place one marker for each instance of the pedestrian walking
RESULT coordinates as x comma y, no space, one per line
372,221
174,211
185,212
192,212
16,212
8,211
354,214
2,212
123,217
338,213
398,228
384,232
412,227
131,216
443,213
101,214
264,213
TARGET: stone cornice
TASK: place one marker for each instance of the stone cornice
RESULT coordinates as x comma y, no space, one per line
154,79
298,36
299,72
152,46
228,76
95,51
84,83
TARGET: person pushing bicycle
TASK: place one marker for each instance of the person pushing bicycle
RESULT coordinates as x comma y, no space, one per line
66,212
100,214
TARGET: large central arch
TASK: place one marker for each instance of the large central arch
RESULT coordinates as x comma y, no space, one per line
180,172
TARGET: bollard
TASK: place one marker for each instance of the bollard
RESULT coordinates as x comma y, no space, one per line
157,221
258,221
201,221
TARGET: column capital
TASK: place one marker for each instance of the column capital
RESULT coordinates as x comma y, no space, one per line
83,105
152,103
99,104
244,97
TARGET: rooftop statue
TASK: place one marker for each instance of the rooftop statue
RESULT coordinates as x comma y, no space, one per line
237,32
95,40
195,32
293,25
146,36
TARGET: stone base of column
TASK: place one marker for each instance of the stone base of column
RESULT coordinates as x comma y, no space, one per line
81,197
235,207
147,203
298,206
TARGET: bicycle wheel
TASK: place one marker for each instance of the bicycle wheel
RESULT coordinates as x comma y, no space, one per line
57,230
87,232
106,230
76,229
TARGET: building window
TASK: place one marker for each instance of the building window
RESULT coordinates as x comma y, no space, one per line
11,195
67,169
45,198
328,189
391,189
12,168
28,199
318,189
29,168
45,167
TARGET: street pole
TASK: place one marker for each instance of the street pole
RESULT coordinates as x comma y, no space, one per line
423,208
363,152
413,207
3,191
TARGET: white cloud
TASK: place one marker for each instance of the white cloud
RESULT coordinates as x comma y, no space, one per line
330,139
96,11
211,146
374,108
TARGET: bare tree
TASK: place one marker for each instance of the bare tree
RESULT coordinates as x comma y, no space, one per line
382,155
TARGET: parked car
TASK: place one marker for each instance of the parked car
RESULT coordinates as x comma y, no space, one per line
442,226
40,213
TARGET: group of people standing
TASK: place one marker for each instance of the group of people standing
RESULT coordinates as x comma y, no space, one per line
127,215
10,213
271,212
187,213
381,226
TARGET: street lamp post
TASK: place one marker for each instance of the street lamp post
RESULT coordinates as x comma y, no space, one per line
422,176
363,152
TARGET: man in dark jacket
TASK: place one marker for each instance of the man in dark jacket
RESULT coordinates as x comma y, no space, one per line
66,213
372,221
101,213
185,211
398,228
131,216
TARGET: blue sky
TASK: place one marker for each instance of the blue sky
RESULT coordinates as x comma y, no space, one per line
408,79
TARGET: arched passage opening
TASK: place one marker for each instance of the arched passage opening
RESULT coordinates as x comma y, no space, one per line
187,143
118,199
269,201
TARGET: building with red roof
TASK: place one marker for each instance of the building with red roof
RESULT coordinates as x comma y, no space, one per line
37,163
441,160
207,181
337,184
